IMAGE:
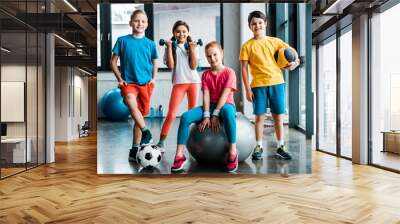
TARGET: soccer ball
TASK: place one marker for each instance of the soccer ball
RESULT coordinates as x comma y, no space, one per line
148,156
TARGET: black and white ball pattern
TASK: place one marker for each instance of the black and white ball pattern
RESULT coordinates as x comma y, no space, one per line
148,156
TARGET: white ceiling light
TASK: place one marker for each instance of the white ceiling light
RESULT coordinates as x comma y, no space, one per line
65,41
5,50
70,5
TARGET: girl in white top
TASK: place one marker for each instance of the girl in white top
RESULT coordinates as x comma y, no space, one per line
182,58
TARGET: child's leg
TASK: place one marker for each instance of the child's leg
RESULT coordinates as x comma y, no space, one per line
193,94
228,115
259,128
137,135
177,94
278,125
189,117
259,110
137,116
277,104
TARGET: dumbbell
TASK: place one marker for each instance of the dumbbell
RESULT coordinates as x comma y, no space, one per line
174,44
162,42
198,42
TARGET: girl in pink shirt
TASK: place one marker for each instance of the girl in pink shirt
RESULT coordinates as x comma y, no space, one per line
218,85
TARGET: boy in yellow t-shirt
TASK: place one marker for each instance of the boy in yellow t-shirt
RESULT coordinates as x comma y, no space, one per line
267,86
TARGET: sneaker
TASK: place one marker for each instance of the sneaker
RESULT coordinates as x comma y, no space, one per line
232,165
257,153
179,163
282,154
146,137
132,154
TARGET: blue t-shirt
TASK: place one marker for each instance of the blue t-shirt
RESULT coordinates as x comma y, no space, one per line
136,55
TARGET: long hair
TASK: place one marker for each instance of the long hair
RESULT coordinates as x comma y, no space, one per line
188,40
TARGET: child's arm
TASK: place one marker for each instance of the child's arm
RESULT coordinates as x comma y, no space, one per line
206,108
155,68
206,100
214,124
114,68
193,55
222,99
245,75
293,65
170,57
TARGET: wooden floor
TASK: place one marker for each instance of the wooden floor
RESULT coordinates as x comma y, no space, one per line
70,191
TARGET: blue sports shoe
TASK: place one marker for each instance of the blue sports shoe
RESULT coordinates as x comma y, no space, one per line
282,154
257,153
132,154
146,137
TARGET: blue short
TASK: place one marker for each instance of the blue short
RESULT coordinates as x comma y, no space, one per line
269,96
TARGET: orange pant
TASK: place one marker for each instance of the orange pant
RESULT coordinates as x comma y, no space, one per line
142,95
177,94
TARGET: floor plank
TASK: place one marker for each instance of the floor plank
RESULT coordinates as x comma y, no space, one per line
70,191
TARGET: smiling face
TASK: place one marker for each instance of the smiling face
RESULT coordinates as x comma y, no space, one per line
181,33
214,56
257,26
139,23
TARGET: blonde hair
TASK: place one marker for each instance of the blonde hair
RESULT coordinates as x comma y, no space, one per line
136,12
213,44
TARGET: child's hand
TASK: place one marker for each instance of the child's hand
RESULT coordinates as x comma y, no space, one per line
168,44
215,123
293,65
122,83
152,81
249,95
192,45
204,124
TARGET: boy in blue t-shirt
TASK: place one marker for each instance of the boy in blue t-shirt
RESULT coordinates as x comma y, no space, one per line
136,79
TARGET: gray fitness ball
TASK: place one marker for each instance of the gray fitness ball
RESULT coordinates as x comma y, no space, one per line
211,147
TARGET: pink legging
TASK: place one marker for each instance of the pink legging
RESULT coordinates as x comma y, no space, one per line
177,94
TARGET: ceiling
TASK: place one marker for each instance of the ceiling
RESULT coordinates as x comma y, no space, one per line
330,15
72,20
76,21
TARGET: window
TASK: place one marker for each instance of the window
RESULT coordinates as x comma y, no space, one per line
327,96
385,86
302,70
346,94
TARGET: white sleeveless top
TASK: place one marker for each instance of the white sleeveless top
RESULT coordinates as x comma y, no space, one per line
183,74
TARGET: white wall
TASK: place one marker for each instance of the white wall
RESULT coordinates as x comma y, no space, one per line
71,102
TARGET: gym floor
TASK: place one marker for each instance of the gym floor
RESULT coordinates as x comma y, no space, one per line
114,139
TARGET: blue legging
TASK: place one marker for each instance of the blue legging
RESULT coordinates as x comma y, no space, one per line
195,115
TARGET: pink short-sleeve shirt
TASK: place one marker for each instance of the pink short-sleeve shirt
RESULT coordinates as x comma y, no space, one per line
216,83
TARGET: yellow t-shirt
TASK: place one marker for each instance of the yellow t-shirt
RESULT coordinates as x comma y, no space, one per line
260,56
